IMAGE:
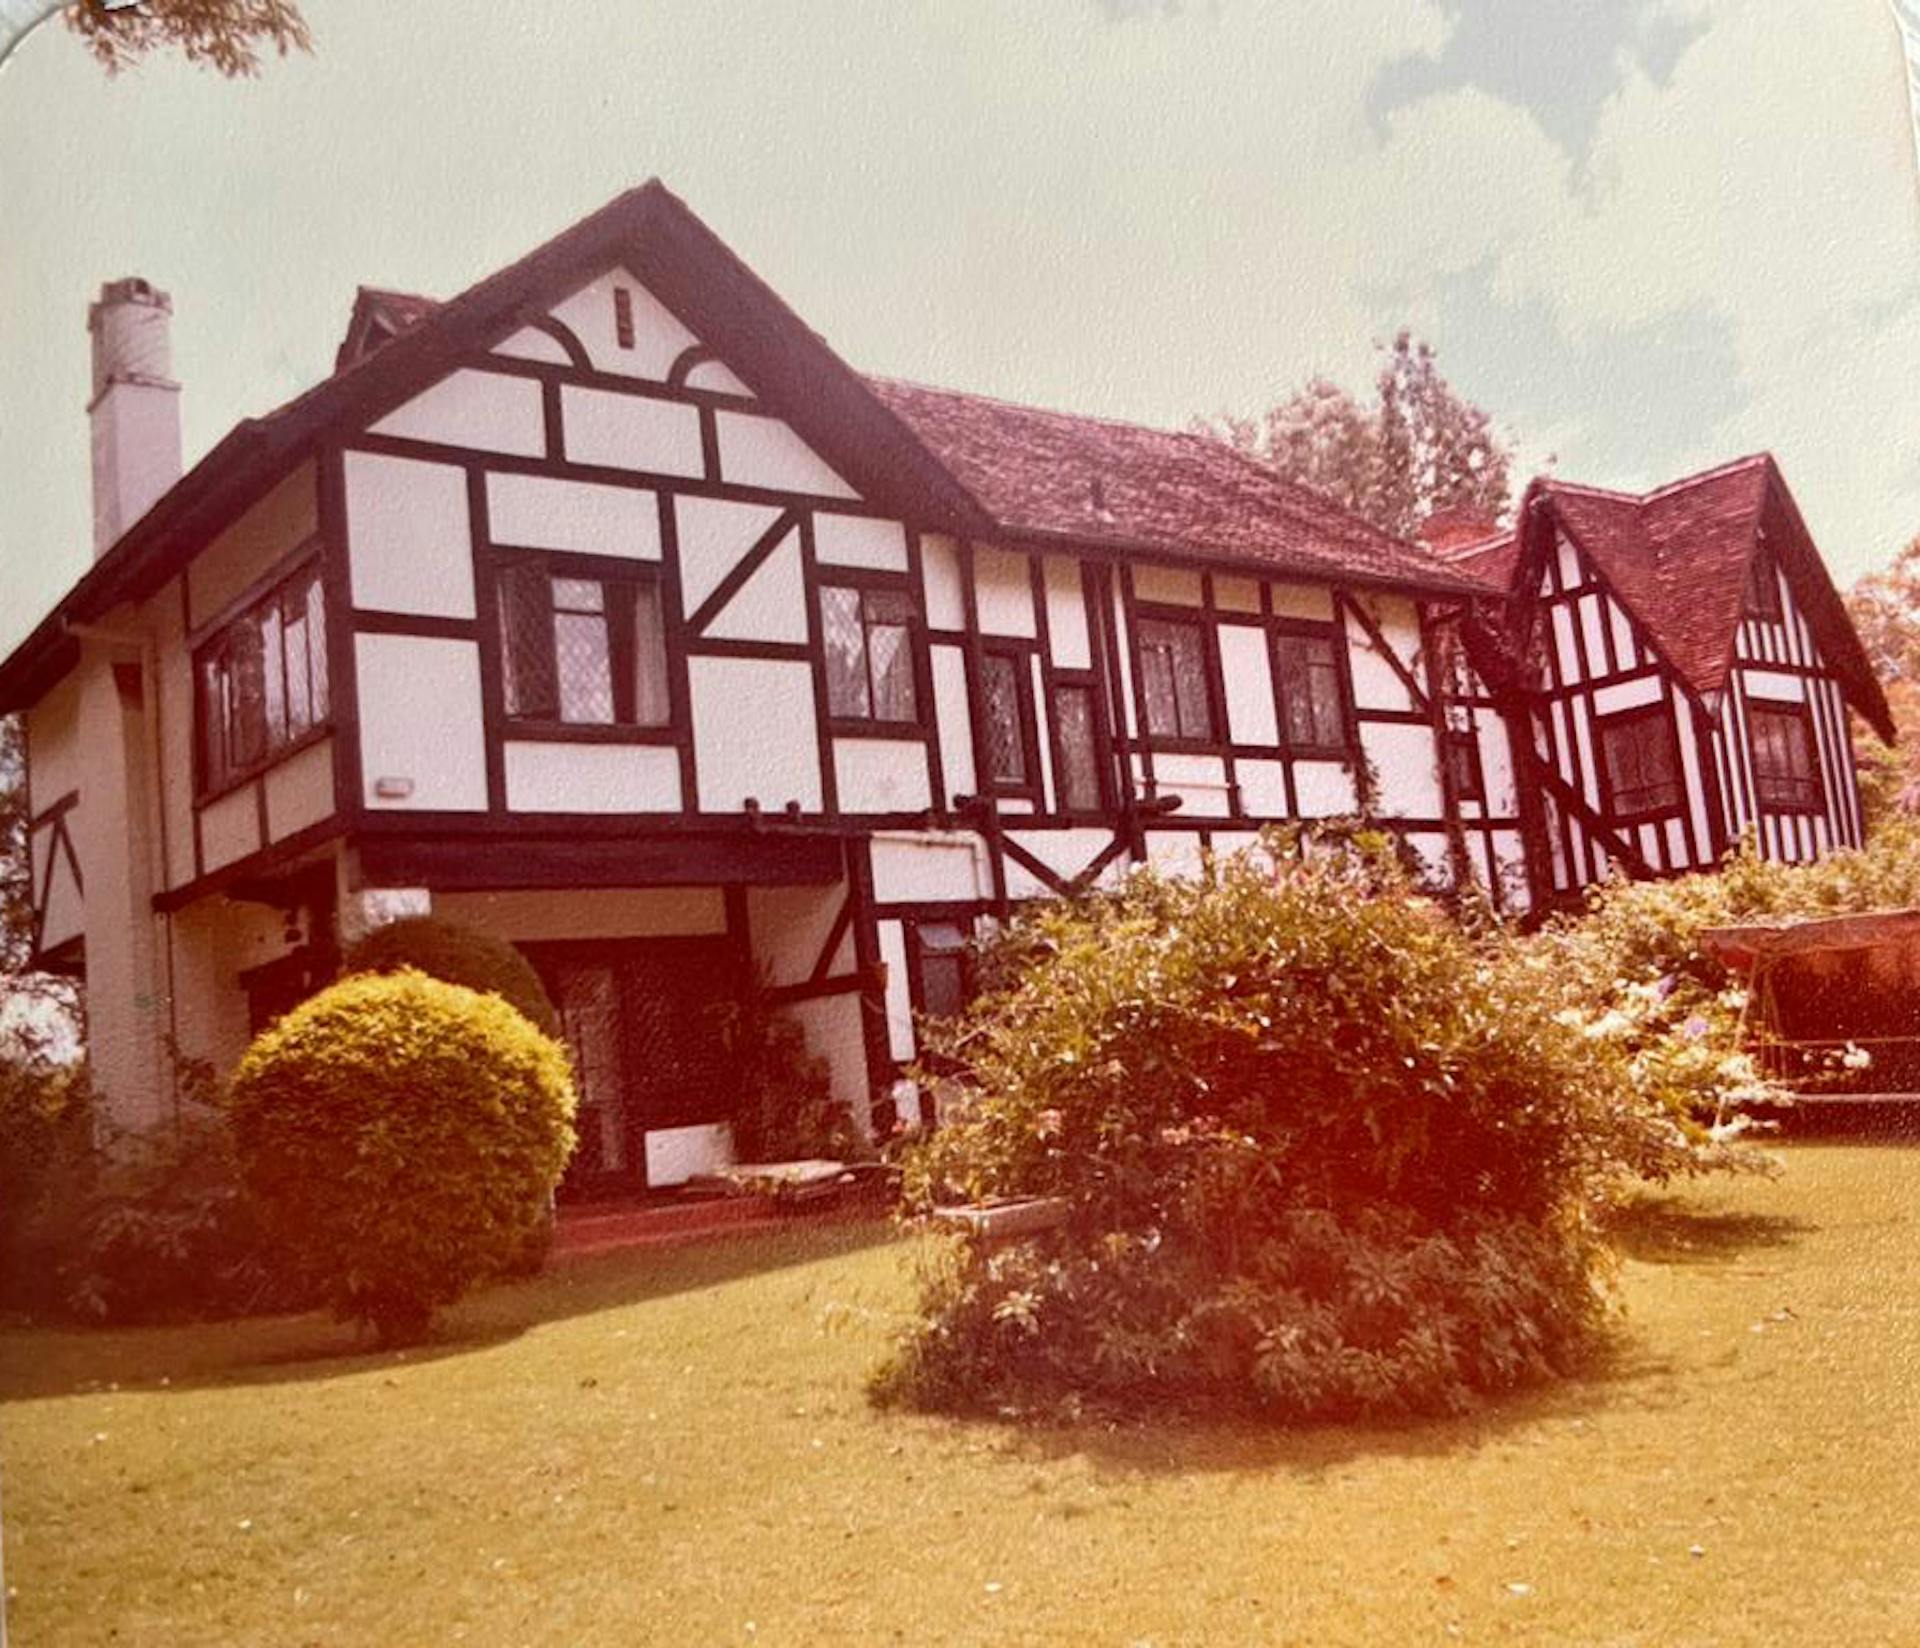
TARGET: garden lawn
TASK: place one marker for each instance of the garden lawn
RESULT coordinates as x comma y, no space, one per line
672,1446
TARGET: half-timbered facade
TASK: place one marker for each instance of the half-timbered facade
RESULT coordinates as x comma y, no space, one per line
1678,671
605,608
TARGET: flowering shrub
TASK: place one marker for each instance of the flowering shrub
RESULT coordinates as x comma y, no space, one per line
1319,1153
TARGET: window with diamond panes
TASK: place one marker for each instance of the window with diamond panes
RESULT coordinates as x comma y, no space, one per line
582,651
1077,767
1003,722
261,683
867,634
1173,677
1311,692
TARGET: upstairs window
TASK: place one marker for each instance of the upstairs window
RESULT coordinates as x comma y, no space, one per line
1785,772
261,682
1642,766
1005,719
1076,747
868,634
582,651
1173,679
1763,591
1313,692
1464,772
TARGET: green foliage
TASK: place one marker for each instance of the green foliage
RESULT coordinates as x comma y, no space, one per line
458,955
403,1137
1631,970
1322,1153
142,1228
1422,448
786,1110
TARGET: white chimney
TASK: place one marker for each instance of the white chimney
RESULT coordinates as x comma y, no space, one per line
135,410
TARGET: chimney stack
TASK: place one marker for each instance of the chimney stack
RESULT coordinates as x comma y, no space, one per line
135,409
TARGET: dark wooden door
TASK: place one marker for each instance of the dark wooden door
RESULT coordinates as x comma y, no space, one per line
643,1021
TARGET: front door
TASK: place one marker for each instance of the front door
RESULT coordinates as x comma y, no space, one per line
642,1020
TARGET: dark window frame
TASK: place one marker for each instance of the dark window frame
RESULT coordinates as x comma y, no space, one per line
867,582
1334,636
1019,658
1087,682
1180,740
962,954
623,642
1657,718
1761,599
1469,781
1812,799
213,776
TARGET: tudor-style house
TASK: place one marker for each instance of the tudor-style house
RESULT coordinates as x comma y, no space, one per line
1683,669
603,607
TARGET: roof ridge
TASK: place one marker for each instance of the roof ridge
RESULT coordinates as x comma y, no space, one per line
1044,411
1750,460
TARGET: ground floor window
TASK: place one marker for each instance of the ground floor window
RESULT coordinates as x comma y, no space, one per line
941,975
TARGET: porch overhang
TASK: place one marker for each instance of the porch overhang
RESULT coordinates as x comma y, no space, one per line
502,863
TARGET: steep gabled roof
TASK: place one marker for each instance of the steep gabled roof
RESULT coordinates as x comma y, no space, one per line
1679,559
925,452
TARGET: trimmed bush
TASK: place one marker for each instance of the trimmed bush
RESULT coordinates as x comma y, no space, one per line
457,955
402,1137
1321,1155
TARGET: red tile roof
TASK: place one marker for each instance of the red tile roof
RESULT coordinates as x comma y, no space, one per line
1044,474
1679,558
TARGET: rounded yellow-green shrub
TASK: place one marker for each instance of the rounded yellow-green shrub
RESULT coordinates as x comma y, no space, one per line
459,955
401,1137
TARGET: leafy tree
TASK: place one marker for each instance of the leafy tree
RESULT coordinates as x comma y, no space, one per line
39,1012
224,35
1885,608
1421,448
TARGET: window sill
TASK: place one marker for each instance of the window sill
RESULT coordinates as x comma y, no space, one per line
842,727
586,732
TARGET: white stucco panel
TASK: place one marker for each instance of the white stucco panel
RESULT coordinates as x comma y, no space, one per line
299,790
592,316
757,451
1324,789
410,543
899,996
1263,788
420,722
951,712
1003,592
230,827
881,775
1627,695
1773,685
754,733
530,343
940,570
713,375
858,541
832,1028
629,431
1199,780
771,605
64,914
591,778
541,512
1065,852
788,927
1302,601
1402,757
488,411
909,869
676,1154
1067,613
1377,684
1174,586
1247,672
714,534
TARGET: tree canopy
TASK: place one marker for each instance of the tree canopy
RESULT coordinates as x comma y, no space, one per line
1420,448
1885,608
225,35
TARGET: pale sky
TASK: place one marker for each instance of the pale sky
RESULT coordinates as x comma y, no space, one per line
1647,234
